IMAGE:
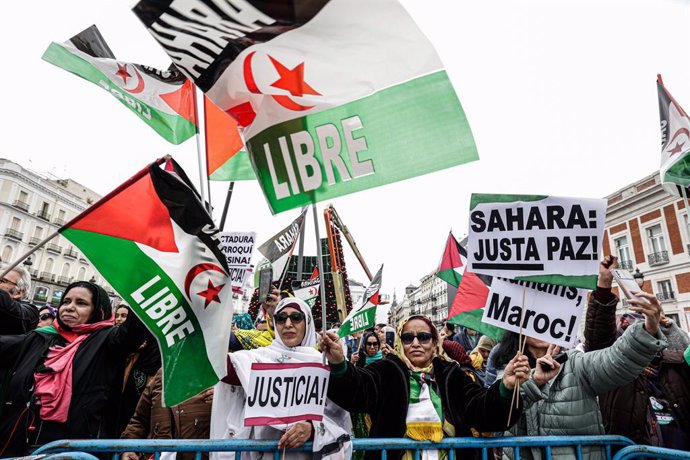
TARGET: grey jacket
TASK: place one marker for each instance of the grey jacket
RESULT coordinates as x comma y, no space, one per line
567,404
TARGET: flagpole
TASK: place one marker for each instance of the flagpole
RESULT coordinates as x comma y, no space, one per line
300,254
200,124
227,205
28,254
319,261
292,249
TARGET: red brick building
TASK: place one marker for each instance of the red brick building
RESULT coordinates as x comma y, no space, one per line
648,230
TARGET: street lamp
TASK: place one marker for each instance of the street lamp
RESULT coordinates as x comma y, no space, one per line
28,262
639,277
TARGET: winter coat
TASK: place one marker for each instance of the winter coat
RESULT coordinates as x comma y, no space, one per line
96,384
16,317
624,409
567,404
382,389
189,420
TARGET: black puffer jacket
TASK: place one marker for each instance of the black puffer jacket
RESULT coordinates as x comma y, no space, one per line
382,390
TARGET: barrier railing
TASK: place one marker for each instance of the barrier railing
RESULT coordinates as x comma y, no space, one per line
383,445
650,452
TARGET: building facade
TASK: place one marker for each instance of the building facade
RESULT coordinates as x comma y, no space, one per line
32,207
430,299
647,229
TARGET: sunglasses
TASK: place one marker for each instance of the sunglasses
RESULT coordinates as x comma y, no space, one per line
45,316
372,344
422,337
295,317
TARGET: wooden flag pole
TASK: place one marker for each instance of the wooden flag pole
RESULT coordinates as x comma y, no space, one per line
515,400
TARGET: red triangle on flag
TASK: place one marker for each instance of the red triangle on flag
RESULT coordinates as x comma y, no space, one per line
315,273
472,294
182,101
132,212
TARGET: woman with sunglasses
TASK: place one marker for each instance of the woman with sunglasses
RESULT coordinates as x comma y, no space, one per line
418,393
369,350
295,342
46,316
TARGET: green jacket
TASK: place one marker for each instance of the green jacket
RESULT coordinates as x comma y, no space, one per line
567,404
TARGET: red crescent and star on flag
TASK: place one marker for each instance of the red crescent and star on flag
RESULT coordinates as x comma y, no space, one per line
289,79
211,293
124,74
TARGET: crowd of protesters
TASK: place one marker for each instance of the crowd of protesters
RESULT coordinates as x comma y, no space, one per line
87,370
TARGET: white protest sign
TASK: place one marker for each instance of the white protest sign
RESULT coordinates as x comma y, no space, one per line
552,313
285,393
544,239
238,248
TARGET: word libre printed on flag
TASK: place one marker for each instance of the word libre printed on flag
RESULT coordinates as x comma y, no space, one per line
156,245
281,393
162,99
279,247
329,102
238,248
675,142
538,238
364,316
552,313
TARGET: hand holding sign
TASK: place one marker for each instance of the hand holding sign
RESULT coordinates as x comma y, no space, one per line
517,372
650,307
296,435
605,279
330,345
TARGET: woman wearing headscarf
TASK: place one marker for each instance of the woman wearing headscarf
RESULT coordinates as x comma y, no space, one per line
295,342
369,350
418,393
67,376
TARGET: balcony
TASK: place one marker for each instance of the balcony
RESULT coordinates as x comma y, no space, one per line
64,280
70,253
59,222
657,258
54,248
23,205
626,264
43,215
33,272
83,260
46,276
34,241
667,296
14,234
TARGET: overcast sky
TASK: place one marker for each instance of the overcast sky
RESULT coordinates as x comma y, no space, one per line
560,95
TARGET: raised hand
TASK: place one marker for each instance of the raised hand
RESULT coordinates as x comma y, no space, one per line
650,307
330,345
547,367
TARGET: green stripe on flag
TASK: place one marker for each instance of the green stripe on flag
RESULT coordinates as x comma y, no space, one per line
408,130
186,368
450,276
577,281
679,172
172,127
473,320
479,198
238,167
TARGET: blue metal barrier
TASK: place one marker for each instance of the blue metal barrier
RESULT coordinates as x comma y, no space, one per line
156,446
649,452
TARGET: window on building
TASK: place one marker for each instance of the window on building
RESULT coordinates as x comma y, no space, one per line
38,232
61,214
623,250
41,294
16,223
65,270
23,197
656,239
49,265
57,297
664,290
44,208
7,254
674,317
81,276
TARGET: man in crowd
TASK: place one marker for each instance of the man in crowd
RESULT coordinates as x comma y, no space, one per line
16,315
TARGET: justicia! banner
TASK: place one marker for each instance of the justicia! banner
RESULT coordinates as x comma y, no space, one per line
155,243
330,101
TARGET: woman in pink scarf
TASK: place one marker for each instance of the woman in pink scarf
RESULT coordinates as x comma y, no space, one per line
65,376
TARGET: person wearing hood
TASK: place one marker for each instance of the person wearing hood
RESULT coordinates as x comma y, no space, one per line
653,409
66,377
369,350
295,342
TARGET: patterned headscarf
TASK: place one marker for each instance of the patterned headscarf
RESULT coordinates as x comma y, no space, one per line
310,338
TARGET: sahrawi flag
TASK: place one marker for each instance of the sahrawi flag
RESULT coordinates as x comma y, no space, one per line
162,99
331,102
279,247
468,304
364,316
675,142
308,290
155,243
